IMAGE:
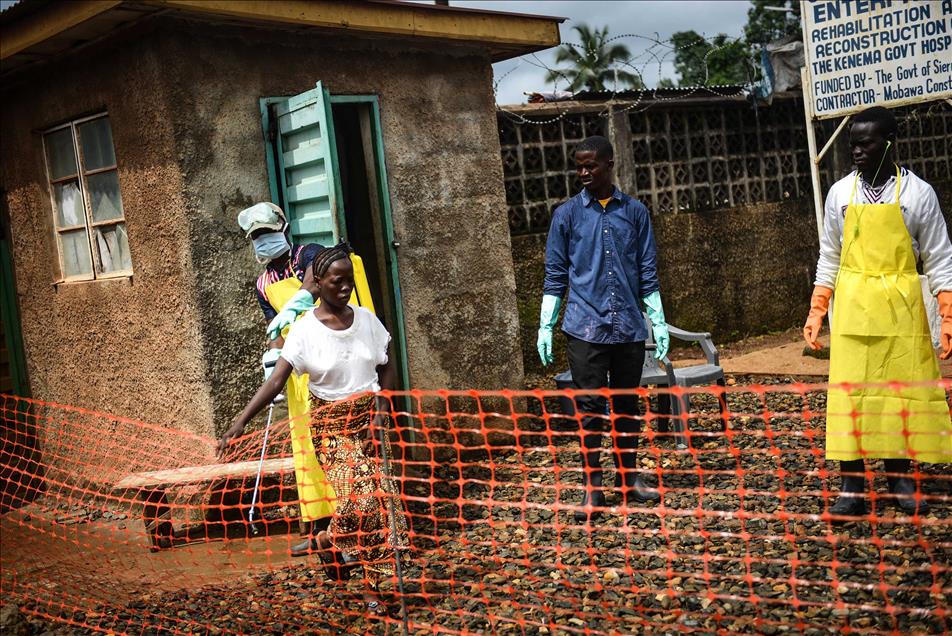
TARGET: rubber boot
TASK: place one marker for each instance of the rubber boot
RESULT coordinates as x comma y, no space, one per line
594,497
591,478
852,499
309,545
634,487
903,488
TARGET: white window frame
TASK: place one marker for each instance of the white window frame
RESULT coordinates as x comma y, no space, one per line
81,176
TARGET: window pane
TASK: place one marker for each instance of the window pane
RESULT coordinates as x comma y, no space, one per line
69,204
60,154
113,246
104,196
75,246
95,138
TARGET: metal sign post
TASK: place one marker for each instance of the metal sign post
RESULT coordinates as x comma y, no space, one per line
863,54
811,147
393,523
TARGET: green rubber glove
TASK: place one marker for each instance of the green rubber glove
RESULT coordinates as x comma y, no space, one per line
547,320
299,303
658,325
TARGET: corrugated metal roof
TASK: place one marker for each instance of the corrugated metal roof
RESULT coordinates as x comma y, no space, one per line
701,92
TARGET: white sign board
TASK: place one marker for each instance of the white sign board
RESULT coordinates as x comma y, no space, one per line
862,53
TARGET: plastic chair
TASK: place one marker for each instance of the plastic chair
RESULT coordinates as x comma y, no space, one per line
662,373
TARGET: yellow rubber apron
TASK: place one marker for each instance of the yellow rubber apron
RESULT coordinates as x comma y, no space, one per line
880,333
317,496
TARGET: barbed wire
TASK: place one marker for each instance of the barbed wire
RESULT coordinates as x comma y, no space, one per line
643,99
638,64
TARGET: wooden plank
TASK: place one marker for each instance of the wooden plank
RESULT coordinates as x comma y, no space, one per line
313,224
209,472
308,191
49,22
521,33
301,117
304,155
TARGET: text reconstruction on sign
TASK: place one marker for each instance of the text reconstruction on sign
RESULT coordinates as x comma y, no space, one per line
861,53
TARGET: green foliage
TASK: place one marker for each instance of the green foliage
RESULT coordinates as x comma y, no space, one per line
719,60
596,64
765,26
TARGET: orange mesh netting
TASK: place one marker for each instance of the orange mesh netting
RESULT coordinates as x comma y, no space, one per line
114,525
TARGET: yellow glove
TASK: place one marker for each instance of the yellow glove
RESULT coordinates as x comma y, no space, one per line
945,310
819,306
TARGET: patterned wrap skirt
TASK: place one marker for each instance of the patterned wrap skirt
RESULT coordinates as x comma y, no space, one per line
369,506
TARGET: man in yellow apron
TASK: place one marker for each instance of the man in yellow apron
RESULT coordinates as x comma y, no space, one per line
286,267
879,220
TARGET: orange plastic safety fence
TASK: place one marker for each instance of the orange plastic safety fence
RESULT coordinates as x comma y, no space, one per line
462,512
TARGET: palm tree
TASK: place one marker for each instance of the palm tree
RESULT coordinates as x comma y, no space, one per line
595,63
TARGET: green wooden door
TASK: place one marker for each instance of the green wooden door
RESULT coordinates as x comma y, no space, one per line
304,159
304,179
13,378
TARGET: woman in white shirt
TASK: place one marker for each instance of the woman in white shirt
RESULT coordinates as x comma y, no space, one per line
343,349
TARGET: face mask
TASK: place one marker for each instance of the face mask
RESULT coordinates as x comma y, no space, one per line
269,246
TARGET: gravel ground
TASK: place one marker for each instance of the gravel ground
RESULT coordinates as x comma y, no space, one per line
738,545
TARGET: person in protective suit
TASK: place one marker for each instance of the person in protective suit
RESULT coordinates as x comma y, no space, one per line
287,266
600,253
880,220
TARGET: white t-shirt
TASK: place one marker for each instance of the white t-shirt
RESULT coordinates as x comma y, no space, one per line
339,363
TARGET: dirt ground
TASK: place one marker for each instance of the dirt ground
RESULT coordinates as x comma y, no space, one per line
776,354
739,544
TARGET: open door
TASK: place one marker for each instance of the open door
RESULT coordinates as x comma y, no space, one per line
303,159
305,172
21,471
13,377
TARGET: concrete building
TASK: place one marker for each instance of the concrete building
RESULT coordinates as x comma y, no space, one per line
133,133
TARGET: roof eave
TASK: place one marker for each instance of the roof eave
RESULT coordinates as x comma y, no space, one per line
505,35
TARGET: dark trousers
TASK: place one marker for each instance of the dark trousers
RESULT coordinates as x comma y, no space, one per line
616,366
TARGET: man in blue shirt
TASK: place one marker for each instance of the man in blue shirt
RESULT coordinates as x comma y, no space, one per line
601,250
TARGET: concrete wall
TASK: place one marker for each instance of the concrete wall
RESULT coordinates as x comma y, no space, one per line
442,149
733,272
122,346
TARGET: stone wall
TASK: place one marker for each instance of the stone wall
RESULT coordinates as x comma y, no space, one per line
180,342
731,204
692,154
441,149
126,346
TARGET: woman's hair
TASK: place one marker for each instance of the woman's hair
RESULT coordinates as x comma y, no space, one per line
328,255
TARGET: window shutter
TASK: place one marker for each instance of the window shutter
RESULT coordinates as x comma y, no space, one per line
302,160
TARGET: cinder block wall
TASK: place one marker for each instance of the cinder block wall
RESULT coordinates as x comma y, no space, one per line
730,197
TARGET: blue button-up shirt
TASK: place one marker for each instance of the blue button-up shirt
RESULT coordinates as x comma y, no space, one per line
605,259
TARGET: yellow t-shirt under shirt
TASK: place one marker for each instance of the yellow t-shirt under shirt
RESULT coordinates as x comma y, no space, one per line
604,202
